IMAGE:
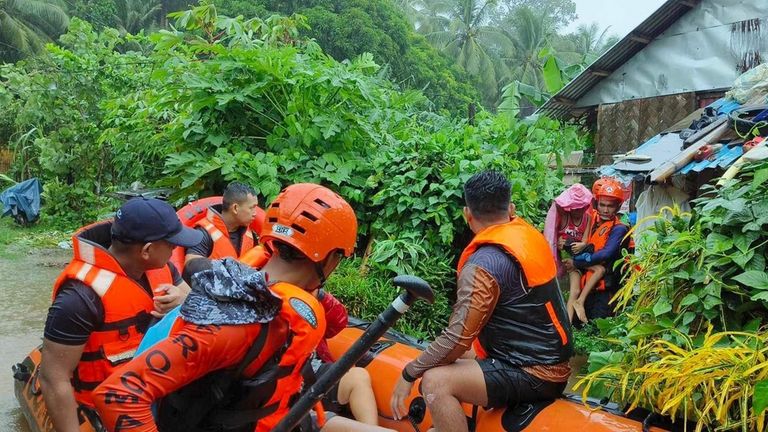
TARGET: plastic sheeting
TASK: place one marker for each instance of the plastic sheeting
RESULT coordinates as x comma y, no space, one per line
22,200
701,51
651,201
750,84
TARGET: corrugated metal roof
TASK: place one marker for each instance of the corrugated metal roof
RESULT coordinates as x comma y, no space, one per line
561,104
722,159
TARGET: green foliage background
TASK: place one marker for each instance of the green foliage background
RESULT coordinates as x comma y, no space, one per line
222,99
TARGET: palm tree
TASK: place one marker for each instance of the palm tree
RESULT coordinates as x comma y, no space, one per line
461,29
426,16
530,33
135,15
589,41
26,25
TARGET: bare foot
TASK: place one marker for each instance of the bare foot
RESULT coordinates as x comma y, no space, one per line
580,312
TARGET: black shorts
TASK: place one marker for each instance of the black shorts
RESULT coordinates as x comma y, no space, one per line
597,304
508,385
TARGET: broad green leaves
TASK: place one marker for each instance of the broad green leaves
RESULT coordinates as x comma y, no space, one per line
753,279
760,399
218,99
272,113
697,274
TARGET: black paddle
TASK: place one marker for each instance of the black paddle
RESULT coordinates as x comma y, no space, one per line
415,288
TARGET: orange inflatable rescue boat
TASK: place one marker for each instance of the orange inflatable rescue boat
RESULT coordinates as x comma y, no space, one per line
26,387
386,359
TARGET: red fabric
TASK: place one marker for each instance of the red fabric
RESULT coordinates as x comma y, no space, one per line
336,317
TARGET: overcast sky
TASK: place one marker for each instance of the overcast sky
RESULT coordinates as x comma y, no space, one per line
621,15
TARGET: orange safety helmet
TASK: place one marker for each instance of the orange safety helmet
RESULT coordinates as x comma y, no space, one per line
611,188
313,219
598,184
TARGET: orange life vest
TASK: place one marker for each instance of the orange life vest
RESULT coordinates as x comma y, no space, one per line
257,257
306,319
601,230
542,304
292,336
526,244
222,246
127,308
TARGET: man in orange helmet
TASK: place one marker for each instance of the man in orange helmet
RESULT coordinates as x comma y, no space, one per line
234,358
606,240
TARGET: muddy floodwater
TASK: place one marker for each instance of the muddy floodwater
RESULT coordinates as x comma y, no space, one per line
26,278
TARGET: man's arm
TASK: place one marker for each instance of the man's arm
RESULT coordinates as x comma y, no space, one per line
476,298
610,251
75,313
167,297
58,362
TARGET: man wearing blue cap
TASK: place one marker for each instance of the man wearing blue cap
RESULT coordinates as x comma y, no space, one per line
104,300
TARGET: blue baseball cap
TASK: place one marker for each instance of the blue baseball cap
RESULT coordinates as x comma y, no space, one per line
144,220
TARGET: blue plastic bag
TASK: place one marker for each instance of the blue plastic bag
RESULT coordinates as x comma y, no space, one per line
159,331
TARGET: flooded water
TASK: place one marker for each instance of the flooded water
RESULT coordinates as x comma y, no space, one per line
26,279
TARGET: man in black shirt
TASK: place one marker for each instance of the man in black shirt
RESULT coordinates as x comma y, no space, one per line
77,310
103,302
225,229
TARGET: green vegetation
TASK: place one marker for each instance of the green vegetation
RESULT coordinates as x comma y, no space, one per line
15,240
346,29
26,25
368,291
221,99
512,48
456,52
692,338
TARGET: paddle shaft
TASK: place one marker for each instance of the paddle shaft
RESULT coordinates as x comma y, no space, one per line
324,382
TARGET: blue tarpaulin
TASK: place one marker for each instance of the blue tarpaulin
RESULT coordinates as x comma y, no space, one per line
22,200
722,159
